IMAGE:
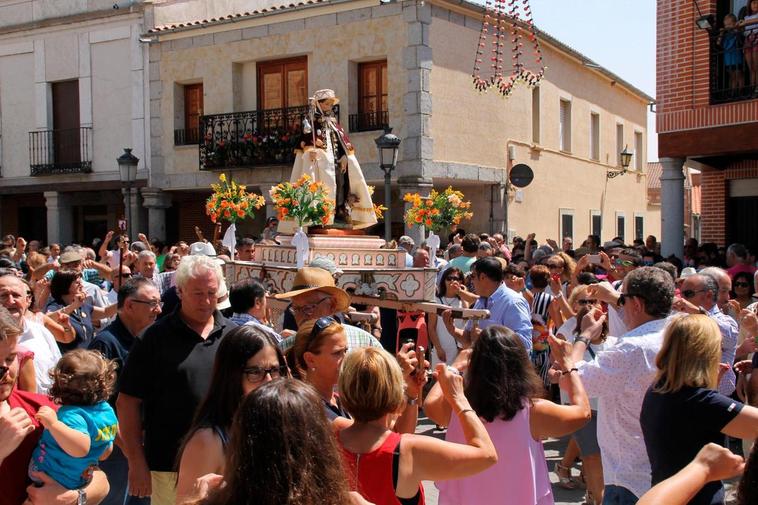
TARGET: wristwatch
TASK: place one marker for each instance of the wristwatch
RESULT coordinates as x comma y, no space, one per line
582,339
82,498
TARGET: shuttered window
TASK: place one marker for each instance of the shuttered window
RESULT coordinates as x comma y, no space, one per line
594,136
565,126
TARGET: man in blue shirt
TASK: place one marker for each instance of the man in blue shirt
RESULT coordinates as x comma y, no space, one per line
507,308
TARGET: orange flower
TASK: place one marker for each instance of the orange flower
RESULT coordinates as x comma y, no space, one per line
224,204
240,213
243,205
419,219
227,214
313,187
428,222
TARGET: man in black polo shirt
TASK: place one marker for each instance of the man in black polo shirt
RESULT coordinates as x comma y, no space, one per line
139,303
166,375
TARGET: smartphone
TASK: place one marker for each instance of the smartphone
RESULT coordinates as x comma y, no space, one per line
556,277
594,259
421,357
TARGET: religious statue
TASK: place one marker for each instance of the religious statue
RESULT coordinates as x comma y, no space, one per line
327,156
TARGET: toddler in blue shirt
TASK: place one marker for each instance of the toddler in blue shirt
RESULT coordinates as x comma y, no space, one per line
82,432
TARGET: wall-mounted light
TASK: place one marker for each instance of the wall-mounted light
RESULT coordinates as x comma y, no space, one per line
626,160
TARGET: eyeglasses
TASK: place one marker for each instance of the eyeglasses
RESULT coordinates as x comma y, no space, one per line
321,324
588,301
454,279
741,285
256,374
555,267
152,303
310,307
689,293
624,296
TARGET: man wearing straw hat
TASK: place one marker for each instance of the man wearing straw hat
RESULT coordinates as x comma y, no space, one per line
314,295
327,156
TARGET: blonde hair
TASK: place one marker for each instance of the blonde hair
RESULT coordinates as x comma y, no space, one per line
8,325
569,265
576,293
371,384
690,354
305,341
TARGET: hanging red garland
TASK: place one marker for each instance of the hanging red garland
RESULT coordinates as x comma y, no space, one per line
497,15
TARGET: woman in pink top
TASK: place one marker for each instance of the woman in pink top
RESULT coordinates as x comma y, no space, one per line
505,391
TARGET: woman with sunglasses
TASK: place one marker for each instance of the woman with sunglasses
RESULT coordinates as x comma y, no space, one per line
584,442
743,289
445,345
316,357
246,359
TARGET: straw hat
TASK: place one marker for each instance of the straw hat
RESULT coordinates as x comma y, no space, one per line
310,279
326,94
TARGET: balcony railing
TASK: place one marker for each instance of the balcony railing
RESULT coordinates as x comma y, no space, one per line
252,138
186,137
730,76
367,121
60,151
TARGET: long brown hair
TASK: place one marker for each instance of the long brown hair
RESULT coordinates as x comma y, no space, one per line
282,451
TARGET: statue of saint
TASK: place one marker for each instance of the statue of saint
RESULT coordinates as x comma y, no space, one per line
327,156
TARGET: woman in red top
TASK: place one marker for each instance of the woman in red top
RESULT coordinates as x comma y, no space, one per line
385,467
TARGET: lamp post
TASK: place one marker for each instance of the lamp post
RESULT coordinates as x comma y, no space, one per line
388,145
626,159
127,171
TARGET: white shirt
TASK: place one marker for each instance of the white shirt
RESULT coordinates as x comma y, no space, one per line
40,341
619,377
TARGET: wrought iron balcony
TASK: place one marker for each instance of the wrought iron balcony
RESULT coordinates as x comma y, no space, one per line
368,121
730,75
186,137
60,151
252,138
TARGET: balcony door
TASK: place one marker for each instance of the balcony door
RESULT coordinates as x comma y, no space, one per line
282,84
66,135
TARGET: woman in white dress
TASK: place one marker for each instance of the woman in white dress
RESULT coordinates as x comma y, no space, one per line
446,347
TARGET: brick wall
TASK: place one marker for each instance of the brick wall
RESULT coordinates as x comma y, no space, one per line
682,82
715,184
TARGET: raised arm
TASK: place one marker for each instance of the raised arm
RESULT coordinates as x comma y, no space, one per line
102,253
427,458
712,463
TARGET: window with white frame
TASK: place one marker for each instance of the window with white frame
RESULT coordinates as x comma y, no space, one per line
536,115
596,223
565,126
621,225
619,142
639,227
567,224
594,136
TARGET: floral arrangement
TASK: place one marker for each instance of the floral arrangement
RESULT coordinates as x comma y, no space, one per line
438,211
305,201
231,201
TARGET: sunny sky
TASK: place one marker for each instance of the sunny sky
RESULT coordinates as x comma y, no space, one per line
617,34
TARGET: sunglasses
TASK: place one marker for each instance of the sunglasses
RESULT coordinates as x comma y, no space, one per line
689,293
741,285
256,374
589,301
454,279
321,324
555,267
623,263
624,296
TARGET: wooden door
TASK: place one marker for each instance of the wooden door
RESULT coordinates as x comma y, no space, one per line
66,138
282,84
193,109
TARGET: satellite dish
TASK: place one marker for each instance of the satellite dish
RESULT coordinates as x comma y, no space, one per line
521,175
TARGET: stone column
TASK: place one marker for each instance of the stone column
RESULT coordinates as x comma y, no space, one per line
498,219
672,207
60,218
156,201
414,185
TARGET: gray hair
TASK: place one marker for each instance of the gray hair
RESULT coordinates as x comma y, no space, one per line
654,287
145,254
485,246
738,250
715,272
710,283
192,267
90,253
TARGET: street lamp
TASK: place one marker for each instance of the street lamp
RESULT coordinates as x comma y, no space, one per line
388,145
127,172
626,159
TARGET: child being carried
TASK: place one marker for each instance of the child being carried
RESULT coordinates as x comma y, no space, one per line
82,432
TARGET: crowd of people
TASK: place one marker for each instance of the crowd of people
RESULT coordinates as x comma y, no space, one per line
134,373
